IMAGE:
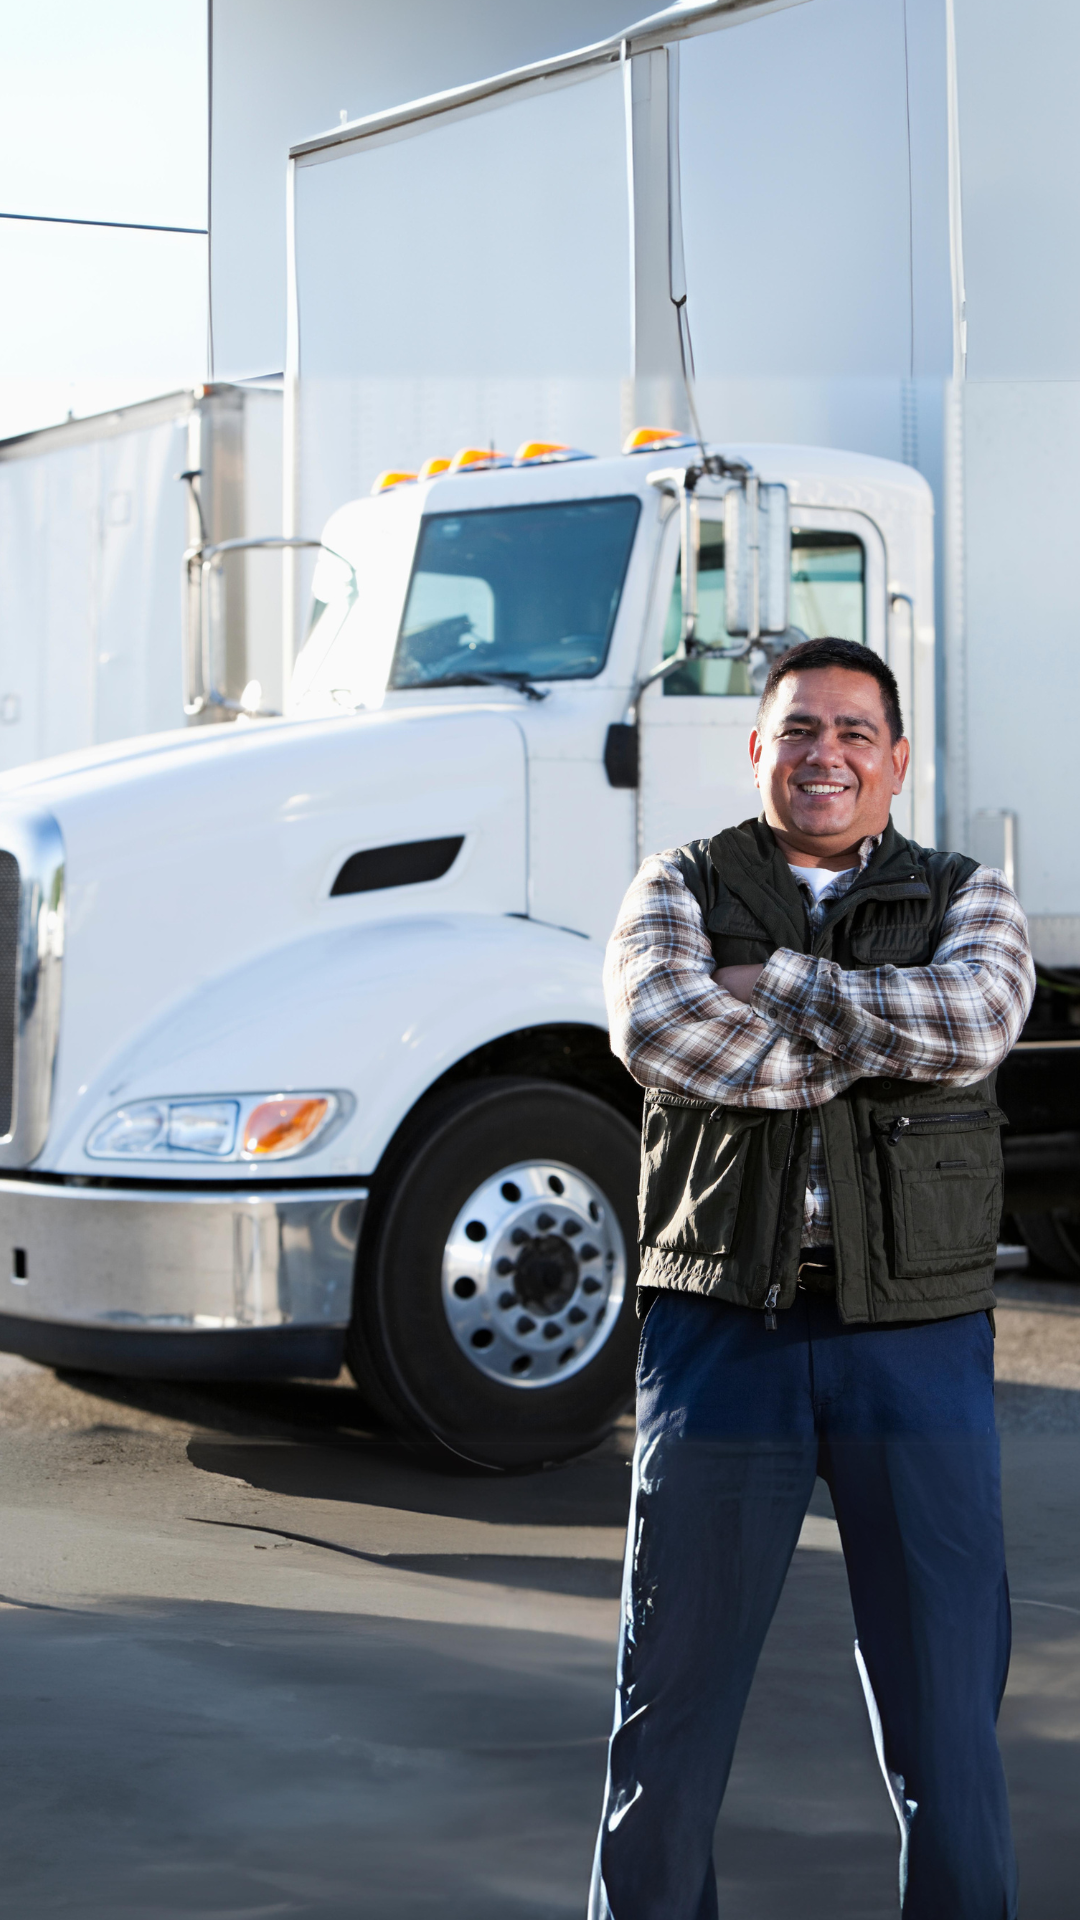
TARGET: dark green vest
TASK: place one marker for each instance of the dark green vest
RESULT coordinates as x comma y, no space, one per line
914,1170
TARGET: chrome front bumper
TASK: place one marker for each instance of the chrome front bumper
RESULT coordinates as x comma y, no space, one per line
148,1280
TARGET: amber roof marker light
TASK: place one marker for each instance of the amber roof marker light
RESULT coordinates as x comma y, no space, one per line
544,453
475,459
390,477
644,439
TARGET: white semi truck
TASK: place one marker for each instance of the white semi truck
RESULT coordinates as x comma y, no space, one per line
308,1054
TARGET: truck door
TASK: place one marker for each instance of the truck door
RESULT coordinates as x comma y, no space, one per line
695,775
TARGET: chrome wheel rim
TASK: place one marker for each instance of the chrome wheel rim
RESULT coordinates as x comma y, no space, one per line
534,1274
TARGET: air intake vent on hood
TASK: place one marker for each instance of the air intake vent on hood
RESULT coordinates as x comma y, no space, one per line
404,865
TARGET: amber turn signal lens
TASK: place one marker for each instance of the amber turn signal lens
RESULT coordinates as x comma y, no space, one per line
280,1126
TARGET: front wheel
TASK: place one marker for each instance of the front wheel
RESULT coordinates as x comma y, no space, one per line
495,1307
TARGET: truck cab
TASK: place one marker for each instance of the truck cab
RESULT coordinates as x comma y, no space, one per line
307,1054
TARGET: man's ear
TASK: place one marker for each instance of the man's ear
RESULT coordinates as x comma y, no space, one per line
901,757
757,745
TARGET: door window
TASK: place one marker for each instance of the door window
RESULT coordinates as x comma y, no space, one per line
828,596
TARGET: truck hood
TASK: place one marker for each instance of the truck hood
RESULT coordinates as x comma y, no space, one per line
187,856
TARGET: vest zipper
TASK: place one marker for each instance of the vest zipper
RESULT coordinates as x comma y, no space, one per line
930,1122
773,1294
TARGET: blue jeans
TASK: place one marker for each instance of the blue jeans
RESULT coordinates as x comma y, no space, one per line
734,1423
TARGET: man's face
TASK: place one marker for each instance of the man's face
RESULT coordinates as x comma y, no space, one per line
824,764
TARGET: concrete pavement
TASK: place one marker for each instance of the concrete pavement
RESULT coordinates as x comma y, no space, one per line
256,1661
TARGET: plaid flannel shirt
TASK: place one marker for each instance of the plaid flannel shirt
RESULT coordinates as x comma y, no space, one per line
811,1028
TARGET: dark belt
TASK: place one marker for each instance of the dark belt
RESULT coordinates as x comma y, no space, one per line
817,1269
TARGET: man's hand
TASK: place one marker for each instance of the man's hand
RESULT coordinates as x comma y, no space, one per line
739,981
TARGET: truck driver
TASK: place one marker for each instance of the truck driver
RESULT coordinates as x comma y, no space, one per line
816,1008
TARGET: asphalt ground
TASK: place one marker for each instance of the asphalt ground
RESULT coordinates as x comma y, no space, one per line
257,1661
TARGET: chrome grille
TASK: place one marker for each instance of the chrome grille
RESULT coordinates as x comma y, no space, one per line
9,983
31,970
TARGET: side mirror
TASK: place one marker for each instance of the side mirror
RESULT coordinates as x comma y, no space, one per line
757,558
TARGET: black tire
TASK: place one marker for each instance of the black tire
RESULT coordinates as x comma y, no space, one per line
402,1348
1054,1239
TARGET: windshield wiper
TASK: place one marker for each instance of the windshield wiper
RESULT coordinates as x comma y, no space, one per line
475,678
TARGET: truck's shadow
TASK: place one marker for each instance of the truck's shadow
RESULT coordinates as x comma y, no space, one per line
316,1441
590,1492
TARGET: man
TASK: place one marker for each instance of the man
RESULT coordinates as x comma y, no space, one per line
816,1007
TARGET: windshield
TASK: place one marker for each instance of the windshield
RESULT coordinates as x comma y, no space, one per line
515,591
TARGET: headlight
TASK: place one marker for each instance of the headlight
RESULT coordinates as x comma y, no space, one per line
131,1130
246,1127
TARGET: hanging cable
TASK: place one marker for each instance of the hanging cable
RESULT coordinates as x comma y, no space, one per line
125,226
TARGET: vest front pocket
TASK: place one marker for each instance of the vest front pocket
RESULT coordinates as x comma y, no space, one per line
943,1183
693,1157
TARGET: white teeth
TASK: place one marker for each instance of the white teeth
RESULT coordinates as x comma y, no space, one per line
807,788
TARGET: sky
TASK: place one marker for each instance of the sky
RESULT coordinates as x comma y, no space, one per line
103,116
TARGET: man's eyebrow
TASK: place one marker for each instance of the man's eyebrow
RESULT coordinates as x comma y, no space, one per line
841,719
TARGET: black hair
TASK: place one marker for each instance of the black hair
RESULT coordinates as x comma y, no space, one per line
829,652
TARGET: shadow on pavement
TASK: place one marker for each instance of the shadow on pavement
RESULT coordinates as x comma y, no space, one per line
239,1406
590,1492
545,1573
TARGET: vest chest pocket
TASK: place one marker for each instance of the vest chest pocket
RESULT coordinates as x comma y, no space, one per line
943,1187
737,939
693,1158
885,945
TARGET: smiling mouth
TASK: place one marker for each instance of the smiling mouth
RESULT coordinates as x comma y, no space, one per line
821,786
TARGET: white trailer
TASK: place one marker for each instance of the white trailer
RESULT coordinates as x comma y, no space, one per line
94,523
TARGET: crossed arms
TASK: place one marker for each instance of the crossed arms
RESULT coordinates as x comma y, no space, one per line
811,1028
